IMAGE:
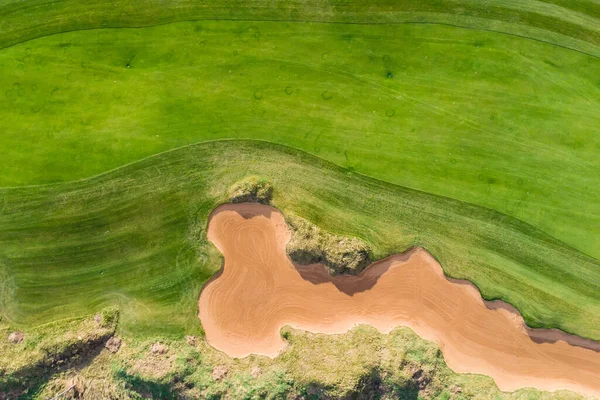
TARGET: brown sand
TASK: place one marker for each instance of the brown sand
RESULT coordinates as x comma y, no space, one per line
259,290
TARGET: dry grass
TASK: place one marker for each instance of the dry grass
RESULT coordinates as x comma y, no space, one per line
339,254
54,343
251,189
360,364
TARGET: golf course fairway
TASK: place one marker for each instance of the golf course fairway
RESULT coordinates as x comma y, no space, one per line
449,141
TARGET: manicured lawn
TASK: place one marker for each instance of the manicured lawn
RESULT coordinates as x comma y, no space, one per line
487,118
135,238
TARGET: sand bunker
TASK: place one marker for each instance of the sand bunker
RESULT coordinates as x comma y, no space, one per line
259,290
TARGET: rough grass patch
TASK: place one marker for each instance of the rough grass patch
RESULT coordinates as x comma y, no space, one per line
49,349
251,189
339,254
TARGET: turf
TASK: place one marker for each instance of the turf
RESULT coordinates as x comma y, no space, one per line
492,107
135,238
569,23
487,118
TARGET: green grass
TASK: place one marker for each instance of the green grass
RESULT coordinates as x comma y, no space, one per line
134,238
492,107
570,23
487,118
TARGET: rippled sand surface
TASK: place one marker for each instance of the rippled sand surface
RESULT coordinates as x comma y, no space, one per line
259,290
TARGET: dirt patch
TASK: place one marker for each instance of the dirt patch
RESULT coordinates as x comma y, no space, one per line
456,389
338,254
259,290
155,366
191,340
219,372
113,344
16,337
159,348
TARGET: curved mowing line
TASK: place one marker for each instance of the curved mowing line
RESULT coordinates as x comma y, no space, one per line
317,22
323,160
303,157
90,178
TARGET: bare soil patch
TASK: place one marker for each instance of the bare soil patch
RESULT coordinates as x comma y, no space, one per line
155,366
113,344
16,337
219,372
159,348
259,290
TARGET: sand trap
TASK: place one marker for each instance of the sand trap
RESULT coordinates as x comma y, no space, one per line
259,290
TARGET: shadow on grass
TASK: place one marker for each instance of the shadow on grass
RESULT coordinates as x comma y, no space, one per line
27,382
148,389
369,387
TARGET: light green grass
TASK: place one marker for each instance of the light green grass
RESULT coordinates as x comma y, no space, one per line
492,119
135,238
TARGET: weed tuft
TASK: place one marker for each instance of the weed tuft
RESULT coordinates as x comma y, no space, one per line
339,254
252,189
